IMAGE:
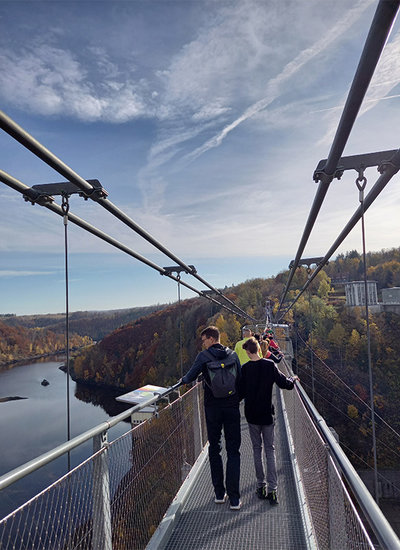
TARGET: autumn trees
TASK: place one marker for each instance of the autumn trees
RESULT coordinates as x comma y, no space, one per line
19,343
332,357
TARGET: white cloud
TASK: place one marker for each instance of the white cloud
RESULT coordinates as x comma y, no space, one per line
53,81
229,63
210,112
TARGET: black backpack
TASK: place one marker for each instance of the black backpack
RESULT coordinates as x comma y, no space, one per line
222,374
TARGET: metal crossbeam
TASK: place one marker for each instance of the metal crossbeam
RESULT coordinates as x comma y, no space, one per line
355,162
178,269
69,188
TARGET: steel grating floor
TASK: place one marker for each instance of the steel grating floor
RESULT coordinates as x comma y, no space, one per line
257,526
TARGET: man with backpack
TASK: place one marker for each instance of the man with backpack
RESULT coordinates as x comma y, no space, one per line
221,371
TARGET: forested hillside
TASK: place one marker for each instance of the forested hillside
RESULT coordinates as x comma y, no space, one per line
95,324
382,267
28,336
20,343
338,368
147,350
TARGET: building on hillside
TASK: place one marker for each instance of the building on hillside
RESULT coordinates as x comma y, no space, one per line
355,293
391,299
355,296
391,295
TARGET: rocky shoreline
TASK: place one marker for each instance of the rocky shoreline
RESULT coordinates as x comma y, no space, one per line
11,398
15,362
6,365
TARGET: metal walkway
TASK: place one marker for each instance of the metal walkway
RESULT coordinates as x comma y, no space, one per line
258,525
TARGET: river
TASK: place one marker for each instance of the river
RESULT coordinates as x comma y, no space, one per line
36,424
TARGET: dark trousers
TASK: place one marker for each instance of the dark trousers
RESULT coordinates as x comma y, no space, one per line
227,418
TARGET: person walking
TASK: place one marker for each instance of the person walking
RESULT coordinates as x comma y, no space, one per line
246,333
273,345
221,413
257,380
267,353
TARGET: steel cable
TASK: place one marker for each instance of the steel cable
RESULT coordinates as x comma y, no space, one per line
28,141
33,195
349,388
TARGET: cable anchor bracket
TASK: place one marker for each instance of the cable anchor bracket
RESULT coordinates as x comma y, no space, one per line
361,182
65,206
178,270
97,191
380,159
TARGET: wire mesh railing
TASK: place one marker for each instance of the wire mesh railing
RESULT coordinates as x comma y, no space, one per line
334,495
336,397
334,522
117,497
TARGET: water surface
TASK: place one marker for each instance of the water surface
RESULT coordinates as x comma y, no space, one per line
32,426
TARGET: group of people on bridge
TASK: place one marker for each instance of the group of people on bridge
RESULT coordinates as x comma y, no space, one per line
248,373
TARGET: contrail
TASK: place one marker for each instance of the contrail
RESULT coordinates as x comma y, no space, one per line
385,78
366,101
289,70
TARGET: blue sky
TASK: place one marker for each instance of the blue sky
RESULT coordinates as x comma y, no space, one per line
204,121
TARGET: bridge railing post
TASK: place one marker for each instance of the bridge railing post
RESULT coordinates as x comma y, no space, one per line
197,424
102,533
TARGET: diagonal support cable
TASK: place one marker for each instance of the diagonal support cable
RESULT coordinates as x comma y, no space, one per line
389,170
98,194
381,25
36,197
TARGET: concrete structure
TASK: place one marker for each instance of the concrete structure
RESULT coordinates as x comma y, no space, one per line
389,482
391,295
391,300
355,296
355,293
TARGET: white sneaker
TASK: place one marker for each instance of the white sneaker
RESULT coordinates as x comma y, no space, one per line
236,506
220,500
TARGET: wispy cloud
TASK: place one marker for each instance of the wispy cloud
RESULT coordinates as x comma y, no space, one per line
11,273
291,68
229,85
230,62
386,77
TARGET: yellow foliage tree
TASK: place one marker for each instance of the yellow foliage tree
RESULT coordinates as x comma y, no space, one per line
352,411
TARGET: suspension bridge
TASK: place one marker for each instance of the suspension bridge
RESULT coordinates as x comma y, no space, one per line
150,487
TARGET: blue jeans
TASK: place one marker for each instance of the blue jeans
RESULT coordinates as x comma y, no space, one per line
228,418
263,436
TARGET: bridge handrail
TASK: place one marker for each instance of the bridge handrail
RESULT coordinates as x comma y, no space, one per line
21,471
381,527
